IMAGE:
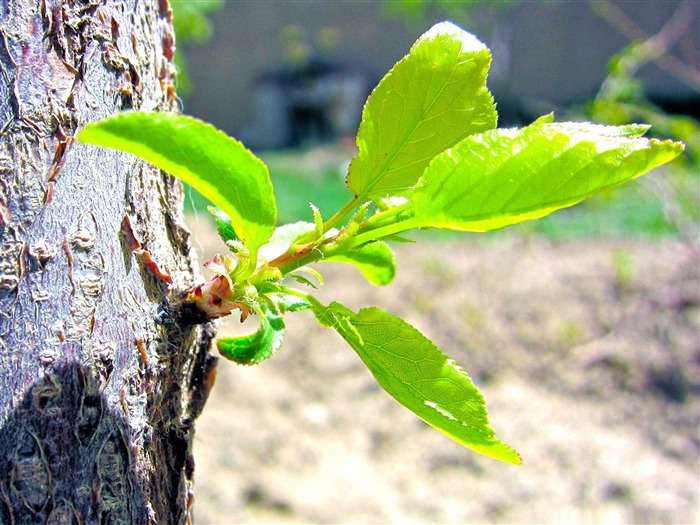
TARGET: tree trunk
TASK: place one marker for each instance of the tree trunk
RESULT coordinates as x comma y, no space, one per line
99,388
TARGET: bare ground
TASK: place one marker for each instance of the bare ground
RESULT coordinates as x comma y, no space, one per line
588,354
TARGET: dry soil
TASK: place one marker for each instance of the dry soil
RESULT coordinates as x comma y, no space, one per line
588,354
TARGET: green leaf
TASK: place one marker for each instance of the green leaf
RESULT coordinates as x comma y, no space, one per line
375,260
504,176
216,165
285,302
318,220
281,298
297,276
430,100
258,346
223,225
283,237
290,303
420,377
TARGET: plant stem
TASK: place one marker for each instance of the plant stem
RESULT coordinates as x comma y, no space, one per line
340,214
382,224
290,262
298,293
387,216
322,313
381,232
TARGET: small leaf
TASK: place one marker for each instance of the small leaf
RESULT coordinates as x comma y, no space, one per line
216,165
318,220
504,176
545,119
296,274
223,225
258,346
301,279
285,302
430,100
375,260
283,237
420,377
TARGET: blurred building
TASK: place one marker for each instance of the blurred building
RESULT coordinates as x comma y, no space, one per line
280,73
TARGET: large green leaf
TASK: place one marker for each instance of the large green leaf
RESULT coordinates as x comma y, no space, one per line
375,260
258,346
420,377
431,99
504,176
216,165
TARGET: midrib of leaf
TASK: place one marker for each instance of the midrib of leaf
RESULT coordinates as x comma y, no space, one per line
544,204
625,151
595,151
561,201
482,415
512,160
407,139
402,360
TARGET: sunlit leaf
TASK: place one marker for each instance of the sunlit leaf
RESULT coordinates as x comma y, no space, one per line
282,238
420,377
223,225
216,165
375,260
430,100
258,346
504,176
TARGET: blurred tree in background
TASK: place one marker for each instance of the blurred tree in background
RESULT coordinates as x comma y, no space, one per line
192,25
622,99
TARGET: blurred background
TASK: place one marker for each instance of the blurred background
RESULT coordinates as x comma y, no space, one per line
582,329
289,80
280,73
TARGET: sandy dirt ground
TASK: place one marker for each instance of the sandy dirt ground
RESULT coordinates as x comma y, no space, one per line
588,354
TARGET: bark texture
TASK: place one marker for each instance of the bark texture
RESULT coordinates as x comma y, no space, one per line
99,388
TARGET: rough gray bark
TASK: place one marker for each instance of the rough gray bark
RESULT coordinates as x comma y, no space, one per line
98,387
